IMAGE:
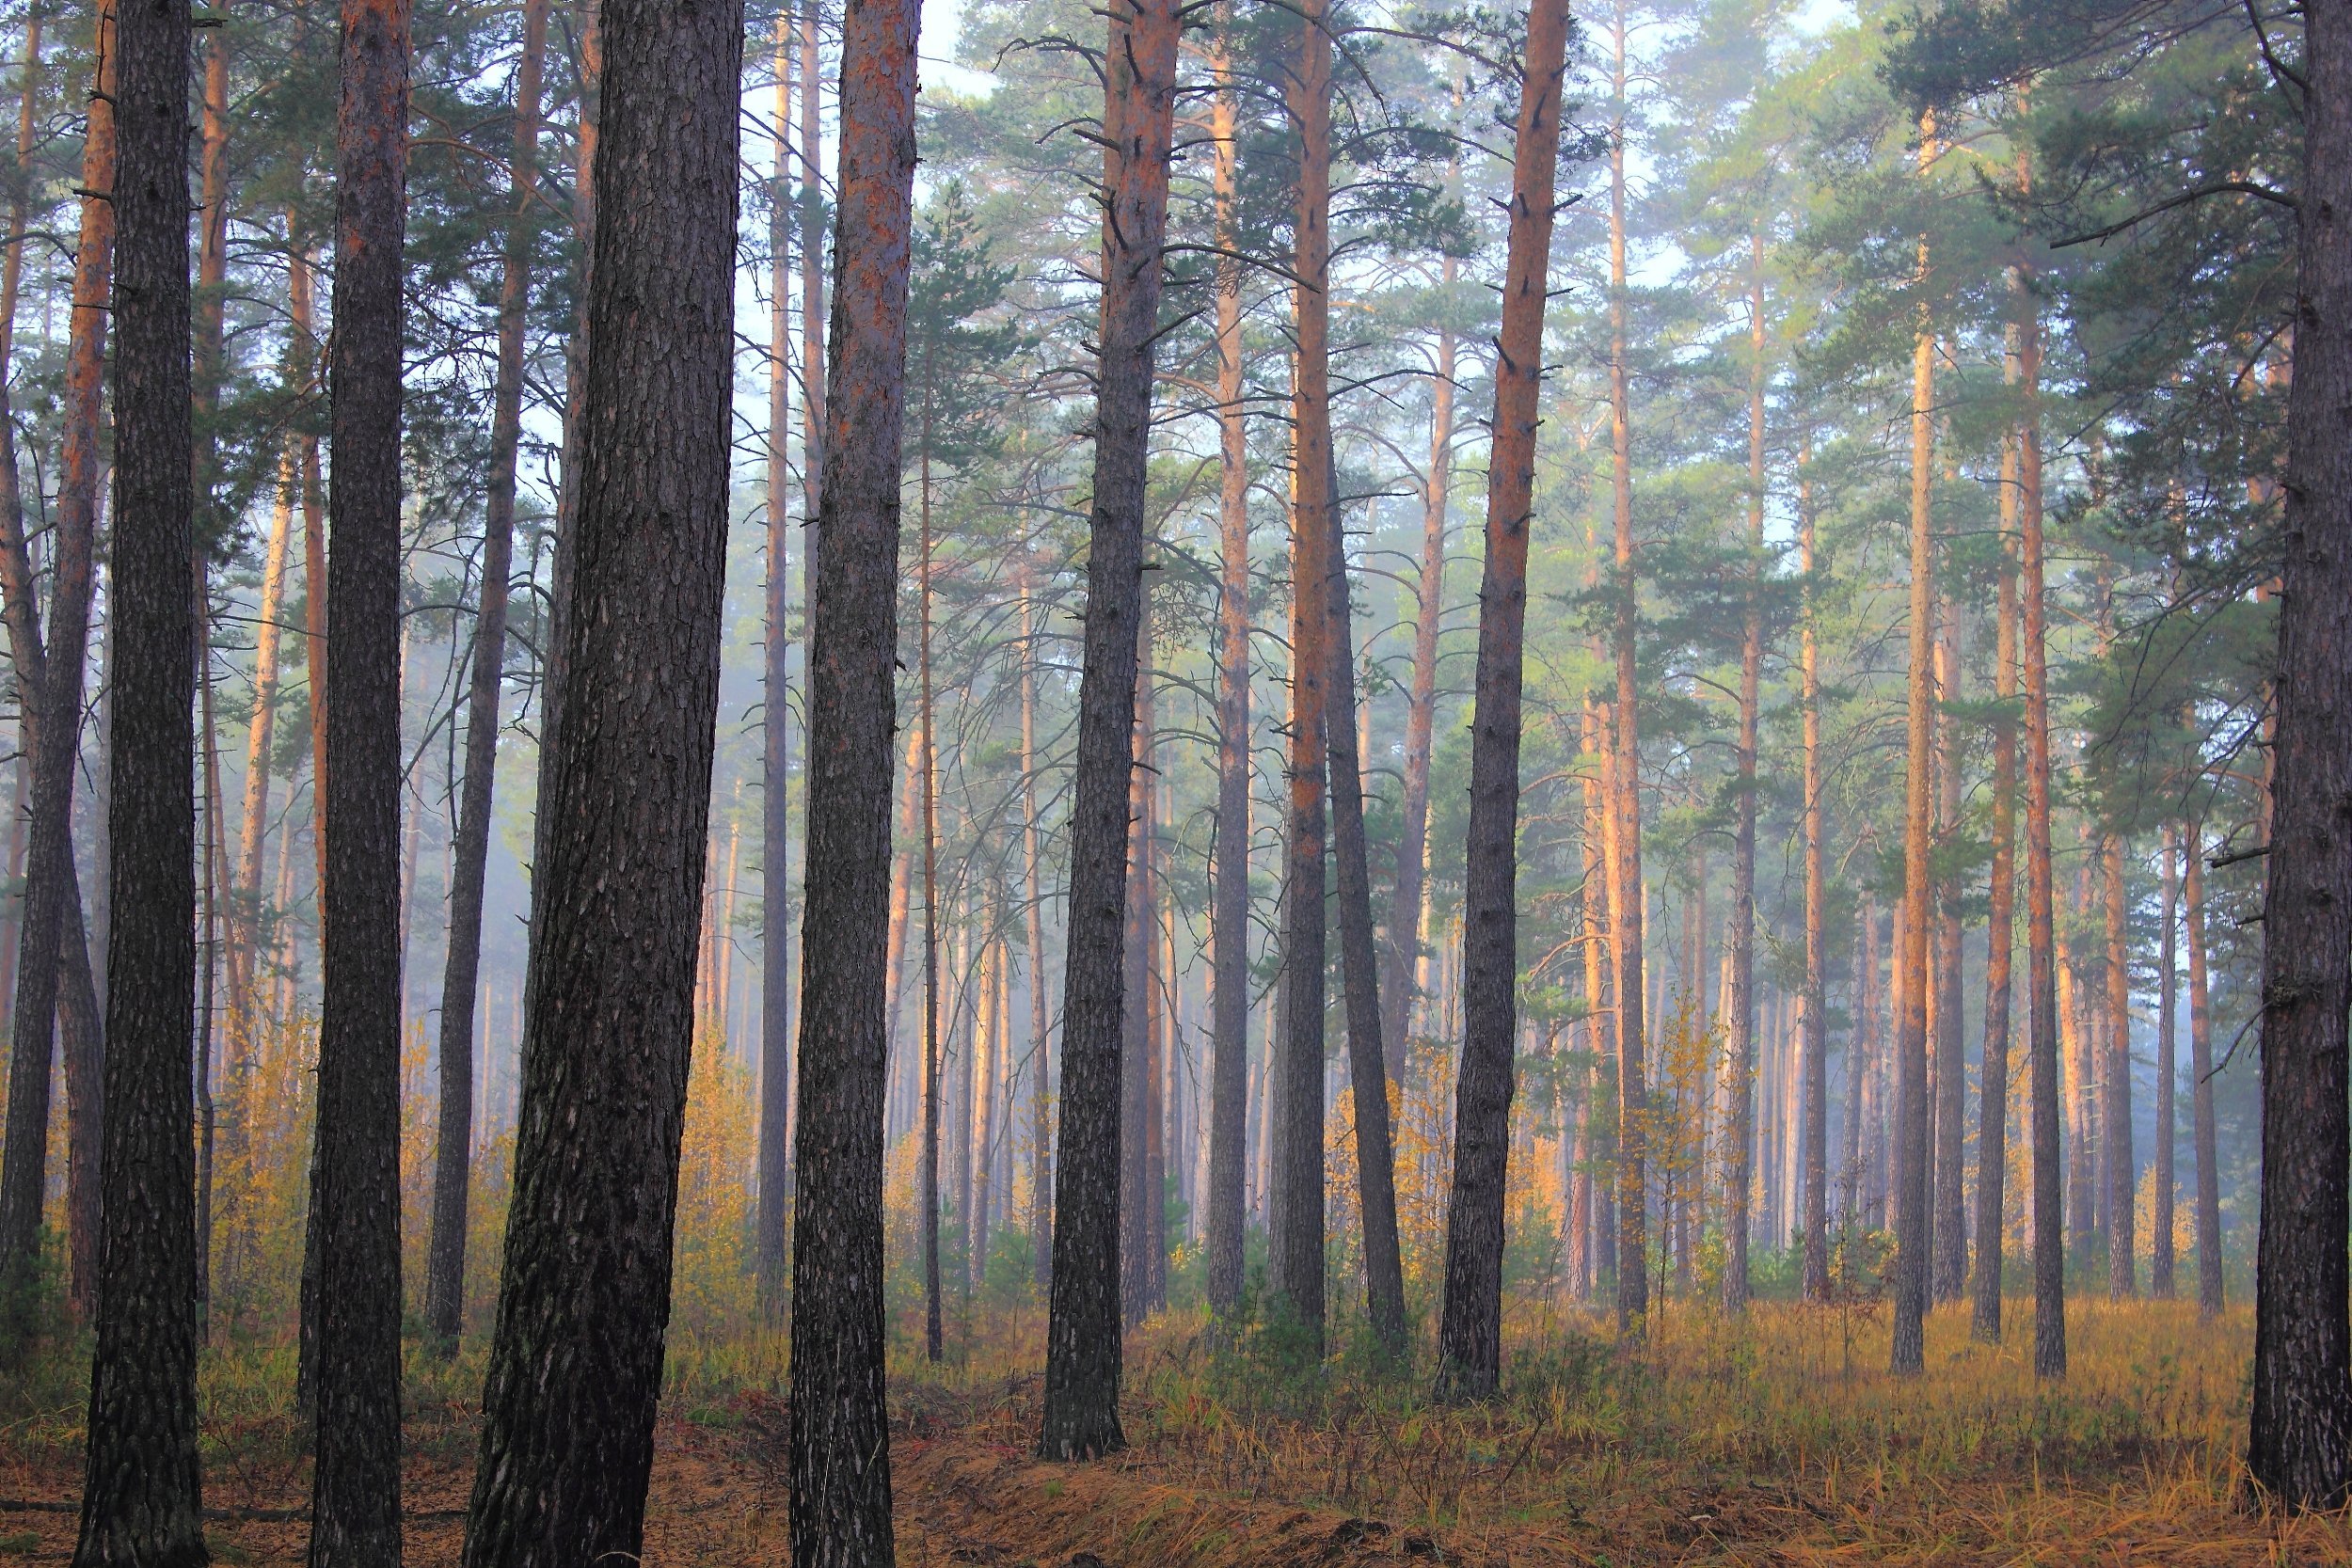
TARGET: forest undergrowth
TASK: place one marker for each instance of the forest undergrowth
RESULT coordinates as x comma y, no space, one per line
1779,1439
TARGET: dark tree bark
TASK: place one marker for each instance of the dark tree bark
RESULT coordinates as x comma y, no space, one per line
2049,1161
1740,1134
53,933
2000,937
840,1444
2168,1065
140,1486
1229,1090
1294,1211
624,799
1082,1349
452,1161
1375,1155
1913,1217
2201,1077
1470,1336
2299,1447
355,1371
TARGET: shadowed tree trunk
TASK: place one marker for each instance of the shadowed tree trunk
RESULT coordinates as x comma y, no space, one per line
2200,1079
840,1455
1913,1217
2300,1445
140,1487
2049,1161
1033,899
1375,1156
2000,930
624,801
2168,1065
934,1340
1949,1071
1741,1047
1229,1082
1082,1348
445,1264
1138,1198
356,1368
1816,1259
1470,1336
2122,1183
53,974
1295,1217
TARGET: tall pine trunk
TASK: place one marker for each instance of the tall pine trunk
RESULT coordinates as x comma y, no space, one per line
2168,1065
1741,1046
2299,1446
624,801
1082,1351
445,1261
1470,1335
2000,929
2122,1183
1033,912
1949,1227
1816,1259
934,1343
2200,1079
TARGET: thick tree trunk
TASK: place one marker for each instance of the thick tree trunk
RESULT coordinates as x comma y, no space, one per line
1912,1195
840,1463
1816,1259
2299,1446
1625,794
623,800
1740,1047
2200,1079
2122,1176
1082,1353
1294,1274
1375,1155
775,802
2049,1168
1229,1083
52,932
2000,930
445,1261
355,1372
140,1488
1470,1336
2168,1065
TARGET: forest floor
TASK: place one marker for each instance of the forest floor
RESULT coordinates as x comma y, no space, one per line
1781,1440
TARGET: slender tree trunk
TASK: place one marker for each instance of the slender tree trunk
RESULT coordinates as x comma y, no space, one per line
840,1469
1421,711
1625,796
1469,1337
1375,1156
1741,1047
2168,1067
1950,1227
575,1369
2122,1183
1083,1351
2000,930
1816,1258
248,909
356,1381
1229,1092
2049,1168
775,809
1294,1278
1138,1198
934,1343
141,1489
1913,1214
987,1043
2200,1079
2299,1446
51,926
445,1263
1033,871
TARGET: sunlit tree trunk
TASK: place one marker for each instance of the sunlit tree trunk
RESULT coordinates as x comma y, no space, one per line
2299,1446
140,1487
1082,1354
1470,1334
575,1369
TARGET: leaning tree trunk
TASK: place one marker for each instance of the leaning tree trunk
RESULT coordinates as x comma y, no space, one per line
52,934
355,1371
575,1371
840,1453
1229,1076
1470,1336
1740,1134
2200,1078
1082,1343
2000,935
1912,1278
140,1488
2299,1447
445,1260
1375,1156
